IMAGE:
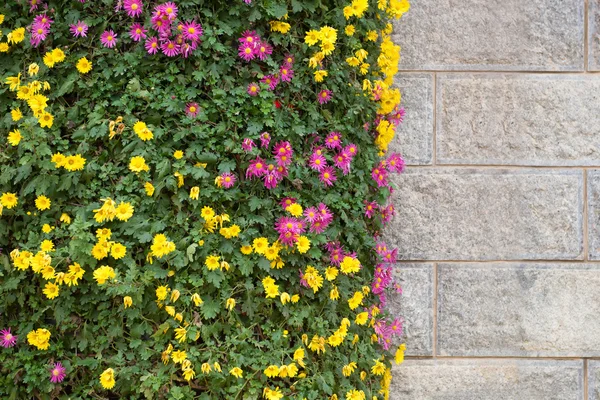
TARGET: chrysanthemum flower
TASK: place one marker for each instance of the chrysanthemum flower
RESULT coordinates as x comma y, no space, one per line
170,9
151,45
192,31
333,140
57,373
265,139
192,110
395,163
283,153
286,73
256,168
263,50
133,7
14,137
107,378
253,89
328,176
137,32
83,65
249,37
246,51
7,339
227,180
108,39
317,162
170,48
247,144
79,29
324,96
271,80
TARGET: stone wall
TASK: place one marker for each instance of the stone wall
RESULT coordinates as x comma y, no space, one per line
498,213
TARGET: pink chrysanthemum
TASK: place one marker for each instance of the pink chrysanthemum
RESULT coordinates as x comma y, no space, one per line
137,32
39,32
246,51
387,213
333,140
227,180
108,39
271,80
170,9
264,50
283,153
289,230
170,48
192,31
42,19
324,96
253,89
249,37
325,214
288,60
380,175
257,167
248,144
265,139
79,29
34,4
397,116
287,201
160,24
133,7
317,161
192,110
311,214
370,209
7,339
328,176
395,163
151,45
57,373
351,150
286,73
342,161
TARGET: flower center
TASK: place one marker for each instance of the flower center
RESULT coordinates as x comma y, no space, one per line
170,46
192,109
8,336
109,38
79,29
55,372
191,30
326,175
134,6
138,31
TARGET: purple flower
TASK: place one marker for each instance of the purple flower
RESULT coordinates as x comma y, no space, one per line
192,110
253,89
265,139
151,45
192,31
108,39
133,7
264,50
170,48
246,51
57,373
7,339
324,96
247,144
137,32
79,29
286,73
270,80
227,180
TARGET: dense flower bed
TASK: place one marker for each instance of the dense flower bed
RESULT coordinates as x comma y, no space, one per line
191,195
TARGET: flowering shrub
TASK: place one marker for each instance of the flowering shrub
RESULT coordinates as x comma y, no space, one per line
190,199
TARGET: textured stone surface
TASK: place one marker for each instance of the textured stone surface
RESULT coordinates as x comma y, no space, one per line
594,35
535,119
508,309
593,380
488,214
414,137
415,305
532,35
593,193
488,380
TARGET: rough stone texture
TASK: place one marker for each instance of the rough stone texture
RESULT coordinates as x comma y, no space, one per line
414,137
593,193
488,380
532,35
513,119
415,305
594,35
593,380
507,309
489,214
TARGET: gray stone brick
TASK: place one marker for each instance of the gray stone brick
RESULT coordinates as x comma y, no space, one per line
532,35
509,309
414,137
487,214
593,193
509,119
593,380
487,380
415,305
594,35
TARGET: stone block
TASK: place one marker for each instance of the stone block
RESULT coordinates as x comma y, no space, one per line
487,380
415,306
414,137
525,309
593,194
509,119
487,214
509,35
593,380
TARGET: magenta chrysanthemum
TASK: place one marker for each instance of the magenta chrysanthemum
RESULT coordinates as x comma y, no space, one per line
253,89
333,140
57,373
192,110
133,7
248,144
317,161
137,32
328,176
271,81
170,48
192,31
264,50
286,73
246,51
108,39
227,180
151,45
79,29
265,139
7,339
324,96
